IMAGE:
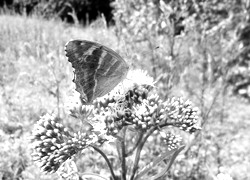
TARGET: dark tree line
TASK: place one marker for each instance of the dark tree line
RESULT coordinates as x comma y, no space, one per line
84,11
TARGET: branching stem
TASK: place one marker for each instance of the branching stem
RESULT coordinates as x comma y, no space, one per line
138,152
135,146
107,161
123,156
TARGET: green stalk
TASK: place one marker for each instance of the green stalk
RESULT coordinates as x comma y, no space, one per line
107,161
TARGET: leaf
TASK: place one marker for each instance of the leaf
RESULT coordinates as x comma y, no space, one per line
166,169
171,155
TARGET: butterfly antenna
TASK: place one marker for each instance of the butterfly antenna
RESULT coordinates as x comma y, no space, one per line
149,52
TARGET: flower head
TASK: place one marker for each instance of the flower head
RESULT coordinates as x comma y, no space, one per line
53,144
133,103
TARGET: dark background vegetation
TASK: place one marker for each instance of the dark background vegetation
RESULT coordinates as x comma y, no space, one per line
84,11
203,55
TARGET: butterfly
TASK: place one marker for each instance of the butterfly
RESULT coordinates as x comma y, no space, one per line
98,69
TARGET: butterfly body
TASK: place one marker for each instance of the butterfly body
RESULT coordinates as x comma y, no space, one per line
98,69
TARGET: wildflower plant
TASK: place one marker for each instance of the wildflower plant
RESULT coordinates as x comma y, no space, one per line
128,117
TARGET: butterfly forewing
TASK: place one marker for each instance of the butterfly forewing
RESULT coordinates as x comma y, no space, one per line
98,69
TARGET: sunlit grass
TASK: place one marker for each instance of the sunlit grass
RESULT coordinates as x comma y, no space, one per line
32,57
35,77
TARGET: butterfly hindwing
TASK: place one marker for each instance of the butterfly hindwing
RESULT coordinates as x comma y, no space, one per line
98,69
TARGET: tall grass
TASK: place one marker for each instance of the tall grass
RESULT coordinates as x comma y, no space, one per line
32,57
35,77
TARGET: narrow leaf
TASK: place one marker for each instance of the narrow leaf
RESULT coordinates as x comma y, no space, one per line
159,159
170,163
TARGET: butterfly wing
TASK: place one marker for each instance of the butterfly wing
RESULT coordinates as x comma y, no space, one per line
98,69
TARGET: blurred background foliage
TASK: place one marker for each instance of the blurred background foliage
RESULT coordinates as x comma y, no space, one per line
192,48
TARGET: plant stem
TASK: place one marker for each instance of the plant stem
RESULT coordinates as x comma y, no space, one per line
135,146
123,156
107,161
138,152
